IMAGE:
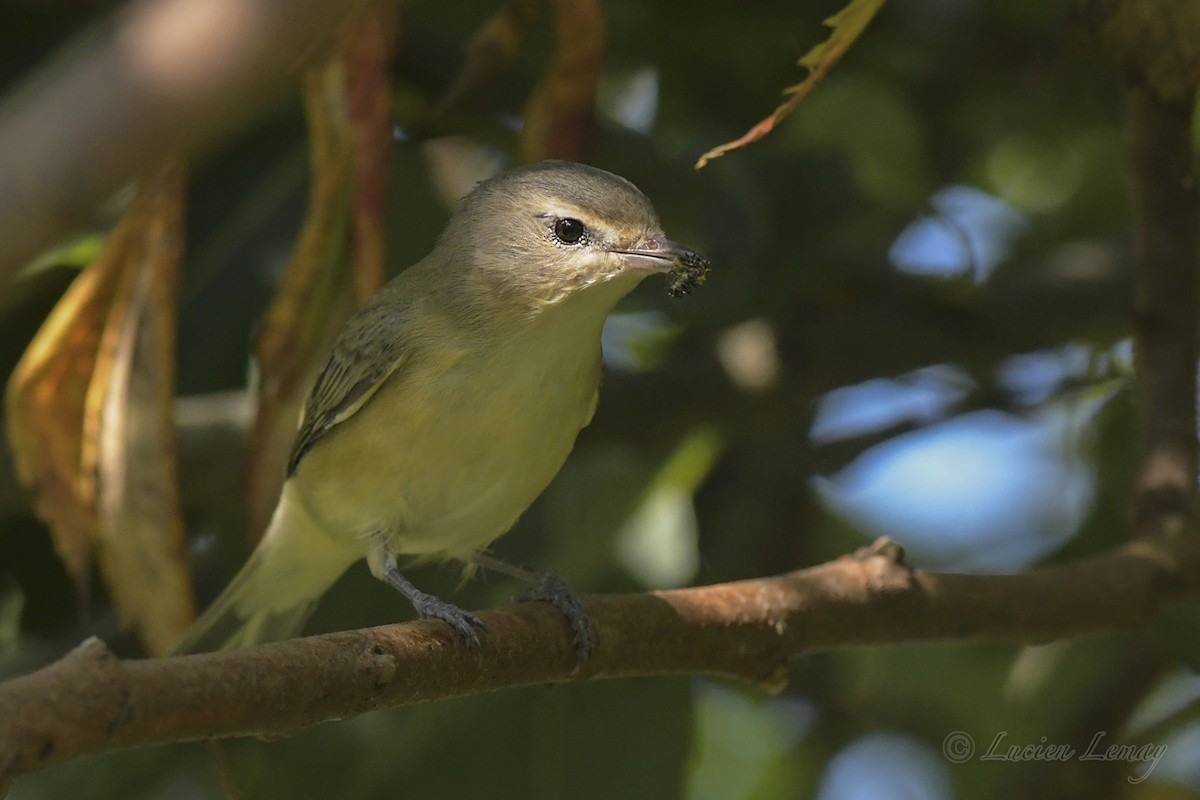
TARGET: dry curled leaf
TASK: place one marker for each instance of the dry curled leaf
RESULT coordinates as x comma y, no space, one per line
338,259
847,25
559,113
45,412
89,417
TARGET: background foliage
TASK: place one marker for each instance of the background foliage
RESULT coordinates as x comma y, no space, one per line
917,325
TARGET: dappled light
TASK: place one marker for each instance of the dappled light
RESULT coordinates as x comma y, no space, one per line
886,765
983,491
632,100
892,492
923,396
750,355
970,235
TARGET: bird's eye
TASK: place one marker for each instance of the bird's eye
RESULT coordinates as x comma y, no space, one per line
569,230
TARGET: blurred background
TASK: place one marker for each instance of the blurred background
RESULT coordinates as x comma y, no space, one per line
917,326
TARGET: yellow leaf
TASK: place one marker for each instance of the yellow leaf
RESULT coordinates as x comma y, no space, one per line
90,419
45,414
140,531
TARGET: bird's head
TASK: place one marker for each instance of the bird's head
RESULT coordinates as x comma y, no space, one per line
554,230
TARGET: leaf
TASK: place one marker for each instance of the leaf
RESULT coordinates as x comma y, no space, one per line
847,25
78,253
45,403
141,525
1155,42
367,50
560,110
312,301
90,419
658,543
347,106
491,49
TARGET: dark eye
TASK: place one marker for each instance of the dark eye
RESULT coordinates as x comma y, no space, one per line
569,230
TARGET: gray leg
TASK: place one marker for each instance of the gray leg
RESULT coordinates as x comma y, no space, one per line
554,590
432,607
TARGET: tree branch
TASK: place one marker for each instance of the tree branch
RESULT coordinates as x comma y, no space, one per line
1153,43
1167,216
91,702
164,79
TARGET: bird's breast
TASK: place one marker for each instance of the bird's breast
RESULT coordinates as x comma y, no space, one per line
450,451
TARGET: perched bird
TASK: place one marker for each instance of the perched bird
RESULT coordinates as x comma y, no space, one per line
452,399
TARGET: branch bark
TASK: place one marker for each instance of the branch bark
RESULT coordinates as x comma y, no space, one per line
1167,217
165,78
1156,45
91,702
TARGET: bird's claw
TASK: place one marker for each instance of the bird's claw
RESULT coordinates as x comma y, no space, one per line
466,623
554,590
430,607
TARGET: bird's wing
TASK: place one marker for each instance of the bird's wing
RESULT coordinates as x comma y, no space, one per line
369,351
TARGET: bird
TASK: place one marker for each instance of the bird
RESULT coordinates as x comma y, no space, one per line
451,399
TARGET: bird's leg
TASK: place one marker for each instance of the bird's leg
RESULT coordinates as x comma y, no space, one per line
428,606
554,590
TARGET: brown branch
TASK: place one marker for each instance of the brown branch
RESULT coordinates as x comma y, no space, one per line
165,78
1167,214
1154,44
91,702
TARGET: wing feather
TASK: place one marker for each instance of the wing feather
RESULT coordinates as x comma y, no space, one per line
370,349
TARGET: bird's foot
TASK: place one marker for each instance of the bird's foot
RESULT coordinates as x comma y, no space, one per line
430,607
554,590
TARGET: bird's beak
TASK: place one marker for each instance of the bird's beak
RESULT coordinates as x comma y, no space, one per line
658,255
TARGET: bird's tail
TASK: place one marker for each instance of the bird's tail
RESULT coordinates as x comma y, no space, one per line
275,592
